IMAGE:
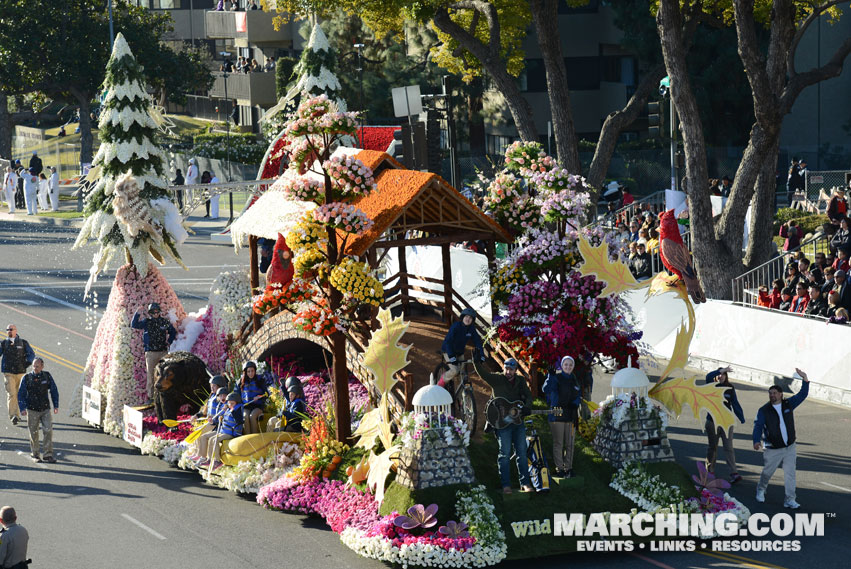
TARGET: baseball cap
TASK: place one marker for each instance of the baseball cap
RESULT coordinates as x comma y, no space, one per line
511,362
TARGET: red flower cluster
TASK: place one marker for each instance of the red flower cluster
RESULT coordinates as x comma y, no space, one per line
277,295
376,137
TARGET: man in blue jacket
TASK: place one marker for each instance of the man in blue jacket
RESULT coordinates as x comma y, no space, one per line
460,334
775,423
158,336
38,391
716,434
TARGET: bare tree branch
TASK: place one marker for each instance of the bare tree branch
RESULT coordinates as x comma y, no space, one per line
800,81
487,10
816,14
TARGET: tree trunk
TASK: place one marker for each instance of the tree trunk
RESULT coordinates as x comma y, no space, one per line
716,264
491,60
760,248
86,138
545,17
475,104
340,370
613,126
5,127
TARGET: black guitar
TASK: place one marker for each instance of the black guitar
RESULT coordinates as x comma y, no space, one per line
501,412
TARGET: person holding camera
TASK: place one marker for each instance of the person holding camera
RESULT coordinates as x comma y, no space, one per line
511,386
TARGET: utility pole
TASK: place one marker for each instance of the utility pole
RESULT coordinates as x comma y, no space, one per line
111,32
450,127
359,46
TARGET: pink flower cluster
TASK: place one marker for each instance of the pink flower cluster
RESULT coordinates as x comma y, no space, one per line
343,216
349,175
303,189
319,115
342,506
398,537
527,158
211,345
709,503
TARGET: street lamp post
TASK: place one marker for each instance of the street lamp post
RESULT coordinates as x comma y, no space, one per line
111,32
227,139
359,46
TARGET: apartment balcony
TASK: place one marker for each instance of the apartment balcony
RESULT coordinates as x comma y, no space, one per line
248,88
251,27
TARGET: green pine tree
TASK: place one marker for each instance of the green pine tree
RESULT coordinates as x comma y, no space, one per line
148,224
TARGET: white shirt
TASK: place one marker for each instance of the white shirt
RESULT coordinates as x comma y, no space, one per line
30,183
783,432
11,180
54,181
191,175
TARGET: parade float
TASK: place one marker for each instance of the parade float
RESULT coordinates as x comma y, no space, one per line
381,458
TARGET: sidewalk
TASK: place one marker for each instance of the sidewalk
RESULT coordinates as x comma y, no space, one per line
197,225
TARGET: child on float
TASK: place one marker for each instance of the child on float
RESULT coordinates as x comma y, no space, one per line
215,410
562,390
210,409
289,419
252,389
231,427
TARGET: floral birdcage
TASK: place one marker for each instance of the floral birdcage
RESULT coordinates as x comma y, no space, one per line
434,402
630,380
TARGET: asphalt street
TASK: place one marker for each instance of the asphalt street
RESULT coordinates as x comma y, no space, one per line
105,505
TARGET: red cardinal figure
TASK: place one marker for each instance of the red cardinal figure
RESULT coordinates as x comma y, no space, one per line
676,257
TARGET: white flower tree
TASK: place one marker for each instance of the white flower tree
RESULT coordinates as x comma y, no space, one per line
129,214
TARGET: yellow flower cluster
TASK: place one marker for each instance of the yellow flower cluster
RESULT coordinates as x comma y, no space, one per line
505,279
310,259
305,234
354,279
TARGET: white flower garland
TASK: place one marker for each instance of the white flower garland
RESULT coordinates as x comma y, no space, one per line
230,299
621,412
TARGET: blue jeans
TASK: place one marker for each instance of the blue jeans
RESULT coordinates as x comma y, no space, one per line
516,435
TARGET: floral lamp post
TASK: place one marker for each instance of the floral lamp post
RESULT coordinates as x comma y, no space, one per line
435,402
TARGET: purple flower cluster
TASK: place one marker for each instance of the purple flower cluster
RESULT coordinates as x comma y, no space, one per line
386,528
342,506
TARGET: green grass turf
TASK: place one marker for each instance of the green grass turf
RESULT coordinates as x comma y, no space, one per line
587,492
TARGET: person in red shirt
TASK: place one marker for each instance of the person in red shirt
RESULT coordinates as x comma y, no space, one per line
799,302
627,197
841,262
838,207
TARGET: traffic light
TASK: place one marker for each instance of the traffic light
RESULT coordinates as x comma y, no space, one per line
655,119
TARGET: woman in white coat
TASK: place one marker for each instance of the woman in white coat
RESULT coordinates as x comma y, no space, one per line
190,179
214,200
10,184
30,190
43,191
53,185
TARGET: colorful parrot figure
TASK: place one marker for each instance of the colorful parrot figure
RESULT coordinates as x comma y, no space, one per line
676,257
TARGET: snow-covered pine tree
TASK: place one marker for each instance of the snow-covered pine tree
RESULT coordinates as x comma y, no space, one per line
140,220
314,76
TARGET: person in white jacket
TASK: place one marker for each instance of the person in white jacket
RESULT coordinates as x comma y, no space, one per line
214,200
54,189
30,190
43,191
10,184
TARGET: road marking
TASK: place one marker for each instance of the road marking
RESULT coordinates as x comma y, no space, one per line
835,486
743,561
56,300
143,526
6,306
27,302
57,359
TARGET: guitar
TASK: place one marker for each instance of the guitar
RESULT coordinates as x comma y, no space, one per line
501,412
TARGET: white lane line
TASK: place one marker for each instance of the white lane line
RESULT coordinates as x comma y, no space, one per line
143,526
15,300
837,487
56,300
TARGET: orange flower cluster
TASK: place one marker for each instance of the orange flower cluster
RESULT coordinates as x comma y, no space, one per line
276,295
317,319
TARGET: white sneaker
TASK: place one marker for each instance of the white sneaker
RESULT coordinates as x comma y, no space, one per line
760,496
791,504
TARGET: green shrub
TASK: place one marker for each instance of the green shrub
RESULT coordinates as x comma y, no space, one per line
807,221
243,148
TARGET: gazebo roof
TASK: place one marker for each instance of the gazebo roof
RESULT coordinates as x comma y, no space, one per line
410,200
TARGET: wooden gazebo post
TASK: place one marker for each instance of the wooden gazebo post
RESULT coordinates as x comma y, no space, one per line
447,283
254,271
403,282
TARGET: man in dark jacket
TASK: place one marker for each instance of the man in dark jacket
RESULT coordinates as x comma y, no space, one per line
640,264
460,334
817,306
17,357
159,334
35,162
714,434
511,386
38,390
775,423
842,288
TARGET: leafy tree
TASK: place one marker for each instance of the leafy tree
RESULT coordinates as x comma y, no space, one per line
65,60
775,83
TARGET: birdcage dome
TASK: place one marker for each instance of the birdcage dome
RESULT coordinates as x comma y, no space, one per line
434,401
629,380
